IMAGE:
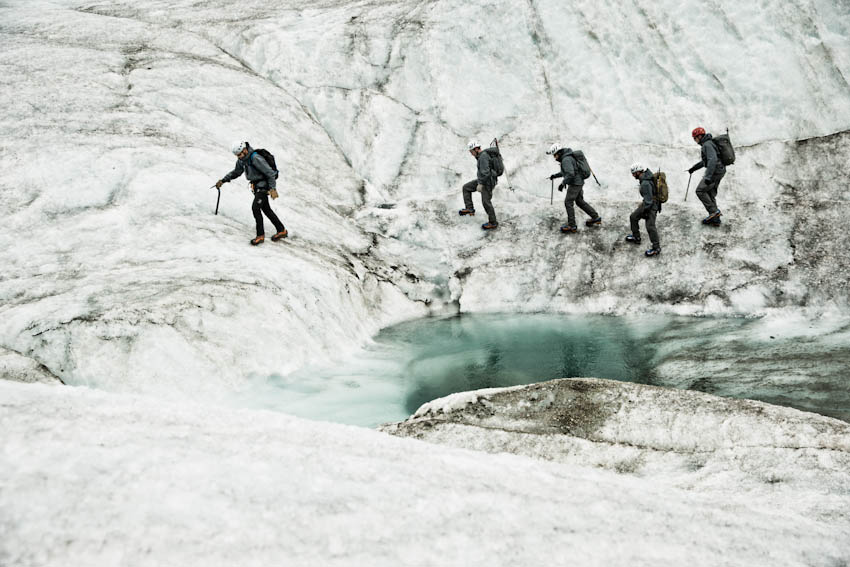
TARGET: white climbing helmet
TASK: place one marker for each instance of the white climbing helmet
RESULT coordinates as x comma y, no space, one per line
554,149
237,147
637,166
472,145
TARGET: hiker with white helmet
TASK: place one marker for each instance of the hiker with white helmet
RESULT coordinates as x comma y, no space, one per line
571,171
647,210
484,183
259,169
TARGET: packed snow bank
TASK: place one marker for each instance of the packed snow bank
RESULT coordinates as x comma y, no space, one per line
130,480
646,431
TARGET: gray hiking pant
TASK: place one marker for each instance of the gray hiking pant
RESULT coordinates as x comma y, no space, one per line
634,219
486,199
575,194
707,193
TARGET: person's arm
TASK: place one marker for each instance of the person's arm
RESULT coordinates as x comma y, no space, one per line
710,161
646,193
484,171
237,171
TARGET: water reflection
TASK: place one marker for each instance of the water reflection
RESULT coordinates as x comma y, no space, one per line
789,363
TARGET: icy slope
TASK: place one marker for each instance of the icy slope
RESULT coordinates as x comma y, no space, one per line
116,271
119,115
126,480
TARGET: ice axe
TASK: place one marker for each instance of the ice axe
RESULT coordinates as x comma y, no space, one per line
689,185
217,198
507,178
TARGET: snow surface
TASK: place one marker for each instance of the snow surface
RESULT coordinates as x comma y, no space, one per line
92,478
116,120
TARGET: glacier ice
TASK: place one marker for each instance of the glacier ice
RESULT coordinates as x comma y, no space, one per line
117,117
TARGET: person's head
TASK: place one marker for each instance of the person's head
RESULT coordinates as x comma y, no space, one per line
697,134
239,149
556,150
637,170
474,147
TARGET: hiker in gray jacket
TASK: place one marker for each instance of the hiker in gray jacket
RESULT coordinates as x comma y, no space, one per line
484,183
574,183
648,209
714,172
263,180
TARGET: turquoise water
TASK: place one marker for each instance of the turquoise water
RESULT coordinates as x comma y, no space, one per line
412,363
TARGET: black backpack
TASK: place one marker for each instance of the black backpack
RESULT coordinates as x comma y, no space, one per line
725,151
581,162
496,160
269,159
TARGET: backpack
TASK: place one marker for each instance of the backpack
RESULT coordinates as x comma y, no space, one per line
659,179
268,157
496,160
725,151
581,162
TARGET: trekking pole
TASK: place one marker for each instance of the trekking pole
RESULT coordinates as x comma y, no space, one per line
552,193
689,185
217,198
507,177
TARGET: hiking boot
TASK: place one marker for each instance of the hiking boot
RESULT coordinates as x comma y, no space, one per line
653,251
593,222
282,234
633,239
713,218
714,222
490,225
258,240
464,212
567,228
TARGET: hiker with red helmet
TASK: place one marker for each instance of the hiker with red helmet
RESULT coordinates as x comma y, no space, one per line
263,179
714,173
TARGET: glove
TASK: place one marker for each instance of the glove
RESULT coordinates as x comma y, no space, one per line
273,193
218,184
553,176
561,187
691,169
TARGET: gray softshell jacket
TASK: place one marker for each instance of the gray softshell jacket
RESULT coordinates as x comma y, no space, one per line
647,190
486,174
257,171
569,169
709,159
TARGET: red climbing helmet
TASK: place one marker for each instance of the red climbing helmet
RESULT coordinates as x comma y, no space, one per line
698,131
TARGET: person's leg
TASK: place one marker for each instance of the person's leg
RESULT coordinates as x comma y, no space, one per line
652,230
487,201
705,195
714,187
256,208
267,210
584,205
468,190
634,221
572,192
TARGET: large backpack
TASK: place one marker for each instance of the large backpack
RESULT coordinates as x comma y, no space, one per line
659,179
581,162
725,151
496,162
268,157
